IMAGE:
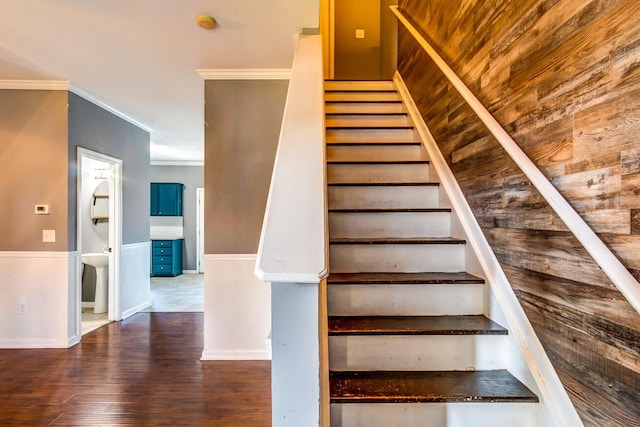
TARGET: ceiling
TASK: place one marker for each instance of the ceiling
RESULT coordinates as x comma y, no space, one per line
140,57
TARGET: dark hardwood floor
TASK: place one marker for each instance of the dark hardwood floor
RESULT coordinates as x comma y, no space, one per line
143,371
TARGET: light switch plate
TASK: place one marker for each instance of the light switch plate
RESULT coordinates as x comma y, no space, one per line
49,236
42,210
359,34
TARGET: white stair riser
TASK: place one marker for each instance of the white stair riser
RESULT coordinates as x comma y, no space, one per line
417,352
472,414
386,224
358,120
364,173
370,135
359,85
405,300
364,107
399,153
362,96
383,197
397,258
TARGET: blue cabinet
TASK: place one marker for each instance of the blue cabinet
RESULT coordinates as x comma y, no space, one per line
166,198
166,257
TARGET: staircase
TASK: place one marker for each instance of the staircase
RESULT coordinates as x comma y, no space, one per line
409,344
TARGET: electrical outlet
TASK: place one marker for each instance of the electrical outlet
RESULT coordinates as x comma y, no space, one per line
359,34
49,236
22,309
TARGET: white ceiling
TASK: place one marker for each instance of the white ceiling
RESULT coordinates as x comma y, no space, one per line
140,56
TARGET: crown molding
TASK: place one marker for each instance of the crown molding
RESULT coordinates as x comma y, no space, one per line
81,93
34,84
246,74
177,163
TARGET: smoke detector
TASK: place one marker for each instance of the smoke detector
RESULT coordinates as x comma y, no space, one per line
206,22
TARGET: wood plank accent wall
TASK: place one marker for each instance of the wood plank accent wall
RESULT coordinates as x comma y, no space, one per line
563,78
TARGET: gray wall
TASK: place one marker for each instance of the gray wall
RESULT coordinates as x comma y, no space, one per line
33,154
193,178
244,119
96,129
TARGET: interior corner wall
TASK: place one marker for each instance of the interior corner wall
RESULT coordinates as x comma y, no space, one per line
33,152
193,178
357,58
562,78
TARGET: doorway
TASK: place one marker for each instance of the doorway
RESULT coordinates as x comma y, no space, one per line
98,239
361,41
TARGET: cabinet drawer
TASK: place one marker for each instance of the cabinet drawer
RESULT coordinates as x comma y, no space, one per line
161,269
162,251
161,243
162,260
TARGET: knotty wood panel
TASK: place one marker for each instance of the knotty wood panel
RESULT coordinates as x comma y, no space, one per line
563,78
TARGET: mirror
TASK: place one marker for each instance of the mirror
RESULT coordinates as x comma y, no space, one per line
100,209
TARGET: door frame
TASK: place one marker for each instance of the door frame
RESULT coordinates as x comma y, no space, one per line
327,30
200,230
115,233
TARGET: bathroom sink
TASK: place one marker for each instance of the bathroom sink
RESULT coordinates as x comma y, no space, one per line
100,261
96,259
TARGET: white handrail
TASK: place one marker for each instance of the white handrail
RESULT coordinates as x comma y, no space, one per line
602,255
293,240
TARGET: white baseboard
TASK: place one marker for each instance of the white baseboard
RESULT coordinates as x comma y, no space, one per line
236,355
135,310
189,271
36,343
88,304
73,340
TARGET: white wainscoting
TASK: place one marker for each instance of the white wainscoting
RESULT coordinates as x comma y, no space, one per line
237,309
36,303
135,283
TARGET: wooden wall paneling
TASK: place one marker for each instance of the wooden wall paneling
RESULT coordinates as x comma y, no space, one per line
592,300
595,408
562,77
555,253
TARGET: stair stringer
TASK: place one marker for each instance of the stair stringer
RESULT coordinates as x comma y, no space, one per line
526,359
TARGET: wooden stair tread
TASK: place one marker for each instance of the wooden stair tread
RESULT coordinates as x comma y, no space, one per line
366,114
397,241
372,126
377,162
403,278
362,101
429,386
414,325
359,90
371,144
383,184
392,210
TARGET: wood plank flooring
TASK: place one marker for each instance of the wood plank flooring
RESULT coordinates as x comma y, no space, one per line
143,371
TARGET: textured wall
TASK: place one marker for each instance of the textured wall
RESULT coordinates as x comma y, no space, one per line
33,155
243,126
562,77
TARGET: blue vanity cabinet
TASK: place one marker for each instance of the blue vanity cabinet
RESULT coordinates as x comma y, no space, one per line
166,257
166,198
